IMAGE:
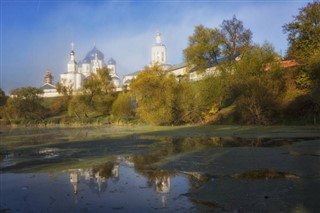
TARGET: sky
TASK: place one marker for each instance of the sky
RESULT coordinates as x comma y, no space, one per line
36,35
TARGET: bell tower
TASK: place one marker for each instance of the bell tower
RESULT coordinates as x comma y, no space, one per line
72,65
158,51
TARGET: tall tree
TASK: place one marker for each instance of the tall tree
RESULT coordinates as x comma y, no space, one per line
237,38
155,95
204,47
123,107
303,32
259,85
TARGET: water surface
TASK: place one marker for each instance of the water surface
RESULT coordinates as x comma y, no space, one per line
159,170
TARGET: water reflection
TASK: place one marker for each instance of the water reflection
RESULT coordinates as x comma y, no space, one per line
128,173
121,176
98,176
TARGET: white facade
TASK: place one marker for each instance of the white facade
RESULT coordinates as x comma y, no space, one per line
49,91
159,56
72,77
78,72
158,52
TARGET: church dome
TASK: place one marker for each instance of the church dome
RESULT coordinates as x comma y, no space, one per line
92,54
111,61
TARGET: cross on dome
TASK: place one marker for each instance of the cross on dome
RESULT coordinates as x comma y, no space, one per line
158,38
72,45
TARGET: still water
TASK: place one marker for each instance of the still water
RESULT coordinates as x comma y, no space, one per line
112,186
138,170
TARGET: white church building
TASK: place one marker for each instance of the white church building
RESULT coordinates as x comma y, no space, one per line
159,56
77,72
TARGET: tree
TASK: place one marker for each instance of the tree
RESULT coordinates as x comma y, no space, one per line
204,47
26,103
237,38
122,107
259,85
3,98
65,90
303,32
79,106
97,95
61,103
155,95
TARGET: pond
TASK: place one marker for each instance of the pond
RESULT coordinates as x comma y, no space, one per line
160,169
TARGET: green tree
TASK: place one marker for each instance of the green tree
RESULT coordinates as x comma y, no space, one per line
237,38
26,103
61,103
64,89
3,100
259,84
204,47
187,107
3,97
122,107
313,68
97,95
155,95
303,32
79,106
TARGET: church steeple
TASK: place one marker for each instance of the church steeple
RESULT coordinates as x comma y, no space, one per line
158,51
72,65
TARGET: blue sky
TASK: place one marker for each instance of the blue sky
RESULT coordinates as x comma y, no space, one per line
36,34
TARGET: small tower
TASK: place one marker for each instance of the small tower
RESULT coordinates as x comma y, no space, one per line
72,65
48,77
158,51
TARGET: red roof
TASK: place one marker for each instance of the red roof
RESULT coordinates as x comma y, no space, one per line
289,63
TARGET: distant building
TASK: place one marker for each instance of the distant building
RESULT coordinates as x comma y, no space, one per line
77,72
159,56
289,63
49,90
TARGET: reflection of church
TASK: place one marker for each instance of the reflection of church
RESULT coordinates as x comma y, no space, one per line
96,181
78,72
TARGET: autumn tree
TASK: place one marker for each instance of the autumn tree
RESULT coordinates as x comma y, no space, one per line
3,97
26,103
60,104
204,47
237,38
208,45
155,95
304,46
303,32
97,95
3,100
79,106
123,107
258,84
